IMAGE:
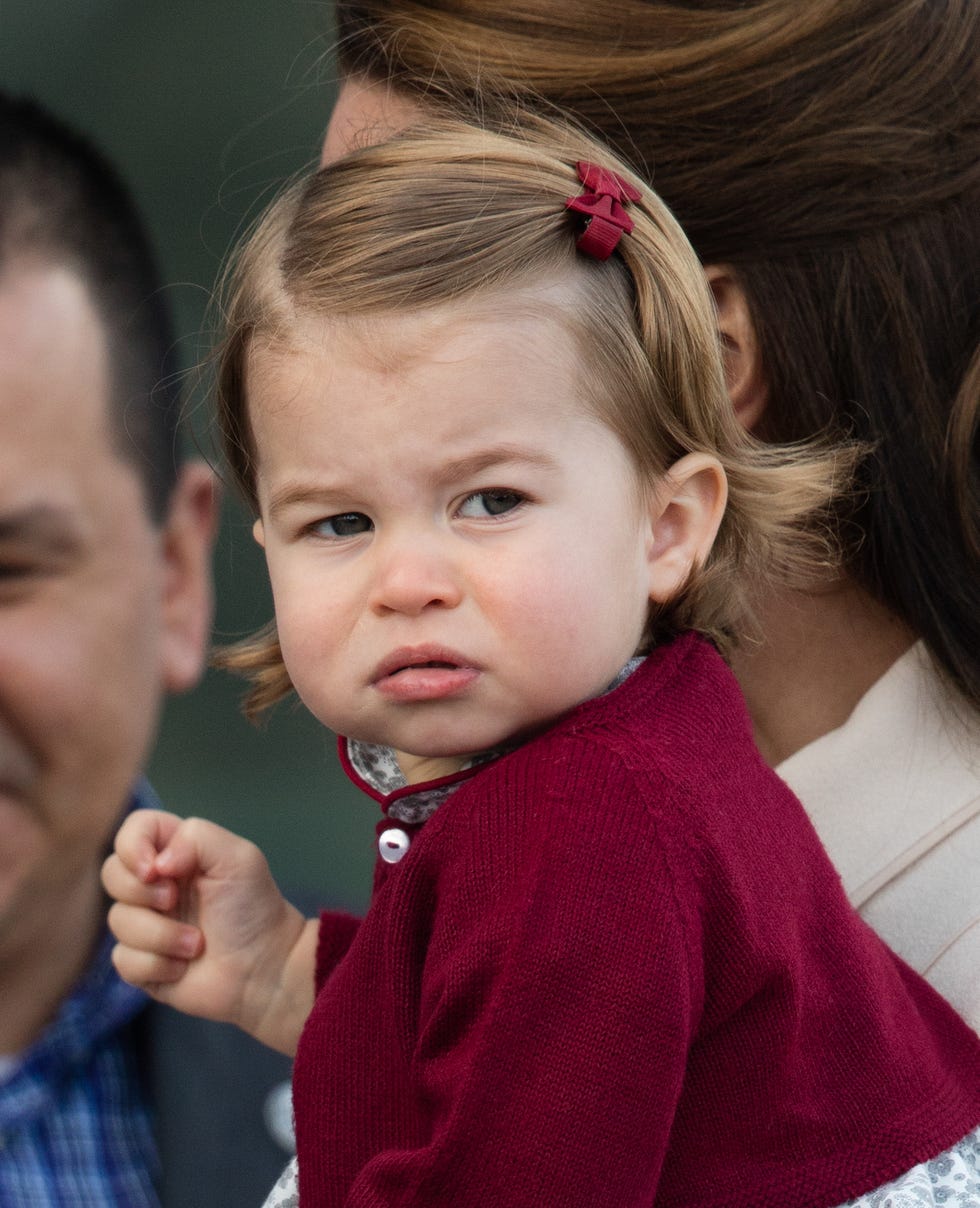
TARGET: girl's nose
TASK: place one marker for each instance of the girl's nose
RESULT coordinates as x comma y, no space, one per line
413,576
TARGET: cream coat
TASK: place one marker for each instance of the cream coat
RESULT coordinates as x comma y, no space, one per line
895,796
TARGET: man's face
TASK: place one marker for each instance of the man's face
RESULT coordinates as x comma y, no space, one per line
87,599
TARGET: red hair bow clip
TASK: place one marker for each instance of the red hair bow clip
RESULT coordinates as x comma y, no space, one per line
606,192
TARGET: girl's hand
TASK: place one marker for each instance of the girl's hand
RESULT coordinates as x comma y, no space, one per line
203,927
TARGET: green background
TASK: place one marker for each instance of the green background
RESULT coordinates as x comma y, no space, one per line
206,106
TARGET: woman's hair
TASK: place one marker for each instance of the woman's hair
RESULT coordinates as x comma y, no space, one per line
829,151
459,215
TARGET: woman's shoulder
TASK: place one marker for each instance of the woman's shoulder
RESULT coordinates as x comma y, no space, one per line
894,794
907,759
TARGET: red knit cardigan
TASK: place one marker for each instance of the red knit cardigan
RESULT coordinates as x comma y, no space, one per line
616,969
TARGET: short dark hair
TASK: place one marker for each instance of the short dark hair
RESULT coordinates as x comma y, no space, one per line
63,202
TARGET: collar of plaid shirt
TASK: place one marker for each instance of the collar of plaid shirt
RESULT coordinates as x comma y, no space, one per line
75,1127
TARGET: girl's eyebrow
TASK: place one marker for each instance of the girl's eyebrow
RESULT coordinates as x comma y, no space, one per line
456,470
484,459
292,493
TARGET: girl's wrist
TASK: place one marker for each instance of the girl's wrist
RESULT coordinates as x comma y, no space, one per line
288,993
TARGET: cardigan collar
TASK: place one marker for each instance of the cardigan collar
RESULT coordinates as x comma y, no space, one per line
374,768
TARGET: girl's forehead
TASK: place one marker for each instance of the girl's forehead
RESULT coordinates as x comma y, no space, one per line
518,324
443,373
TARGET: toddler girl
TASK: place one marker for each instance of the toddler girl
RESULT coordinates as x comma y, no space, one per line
472,391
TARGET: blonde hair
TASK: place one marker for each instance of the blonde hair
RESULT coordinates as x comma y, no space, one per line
460,211
827,150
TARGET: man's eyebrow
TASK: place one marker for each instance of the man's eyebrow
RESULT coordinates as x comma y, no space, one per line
51,528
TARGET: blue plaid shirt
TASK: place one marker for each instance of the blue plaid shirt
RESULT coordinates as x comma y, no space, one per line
75,1127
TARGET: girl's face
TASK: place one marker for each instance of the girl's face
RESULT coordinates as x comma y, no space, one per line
459,551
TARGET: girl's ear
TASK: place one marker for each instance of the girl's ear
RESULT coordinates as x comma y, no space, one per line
744,376
686,508
258,532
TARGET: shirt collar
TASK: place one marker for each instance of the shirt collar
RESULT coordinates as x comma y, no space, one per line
99,1005
100,1001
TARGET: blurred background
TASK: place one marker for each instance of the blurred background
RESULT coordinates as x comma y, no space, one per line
206,106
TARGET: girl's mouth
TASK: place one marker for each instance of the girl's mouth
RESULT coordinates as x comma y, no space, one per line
423,674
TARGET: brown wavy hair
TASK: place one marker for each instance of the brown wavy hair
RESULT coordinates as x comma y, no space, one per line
827,150
459,213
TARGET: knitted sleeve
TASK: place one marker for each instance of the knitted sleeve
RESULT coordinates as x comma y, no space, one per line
559,995
336,934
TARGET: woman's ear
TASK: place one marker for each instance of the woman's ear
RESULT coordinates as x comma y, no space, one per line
686,508
258,532
744,377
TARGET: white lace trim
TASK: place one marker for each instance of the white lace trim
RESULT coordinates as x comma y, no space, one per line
285,1194
950,1181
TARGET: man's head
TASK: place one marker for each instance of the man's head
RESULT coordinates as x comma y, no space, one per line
61,203
104,540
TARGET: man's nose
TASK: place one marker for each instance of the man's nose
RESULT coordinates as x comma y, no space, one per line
414,573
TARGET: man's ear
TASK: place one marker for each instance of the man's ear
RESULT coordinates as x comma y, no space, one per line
686,508
187,601
744,377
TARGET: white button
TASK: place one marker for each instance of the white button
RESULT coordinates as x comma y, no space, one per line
393,844
278,1112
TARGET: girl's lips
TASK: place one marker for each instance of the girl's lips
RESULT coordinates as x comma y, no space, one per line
423,683
421,673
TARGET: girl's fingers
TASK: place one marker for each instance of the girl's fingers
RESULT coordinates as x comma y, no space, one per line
141,837
147,970
197,847
125,886
154,934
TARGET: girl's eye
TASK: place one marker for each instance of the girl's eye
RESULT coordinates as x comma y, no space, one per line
347,524
490,503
